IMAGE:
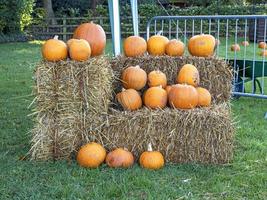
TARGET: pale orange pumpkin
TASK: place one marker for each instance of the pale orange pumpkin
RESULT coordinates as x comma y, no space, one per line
91,155
95,36
235,47
201,45
134,46
151,159
262,45
188,74
183,96
175,48
204,97
70,41
120,158
79,49
157,78
134,77
130,99
155,97
54,50
156,45
245,43
263,53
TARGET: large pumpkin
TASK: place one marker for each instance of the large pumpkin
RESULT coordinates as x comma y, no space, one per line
134,46
91,155
79,50
174,48
134,77
54,50
157,78
183,96
262,45
155,97
156,45
120,158
129,99
95,36
204,97
201,45
188,74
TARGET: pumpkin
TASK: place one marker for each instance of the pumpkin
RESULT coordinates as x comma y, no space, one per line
245,43
156,45
129,99
204,97
120,158
263,53
134,77
155,97
262,45
79,50
174,48
183,96
157,78
54,50
235,47
91,155
95,36
151,159
168,89
201,45
188,74
134,46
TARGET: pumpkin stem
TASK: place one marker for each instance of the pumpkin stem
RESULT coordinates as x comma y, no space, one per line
137,66
56,37
123,89
149,147
160,86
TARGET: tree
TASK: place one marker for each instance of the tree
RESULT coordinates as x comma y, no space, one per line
49,12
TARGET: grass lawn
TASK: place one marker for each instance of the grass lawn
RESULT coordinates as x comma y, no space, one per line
244,178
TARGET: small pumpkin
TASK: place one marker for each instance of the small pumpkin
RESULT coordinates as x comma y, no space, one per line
262,45
130,99
235,47
156,45
168,89
263,53
79,49
134,46
201,45
157,78
204,97
188,74
155,97
175,48
54,50
151,159
120,158
70,41
134,77
95,36
183,96
91,155
245,43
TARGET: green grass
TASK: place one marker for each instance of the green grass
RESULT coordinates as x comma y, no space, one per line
244,178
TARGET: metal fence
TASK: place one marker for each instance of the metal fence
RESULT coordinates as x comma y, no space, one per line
250,66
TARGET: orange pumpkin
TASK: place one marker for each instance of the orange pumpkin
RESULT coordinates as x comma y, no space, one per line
129,99
204,97
201,45
235,47
262,45
174,48
188,74
155,97
245,43
151,159
54,50
157,78
263,53
120,158
70,41
91,155
95,36
156,45
134,46
79,50
134,77
183,96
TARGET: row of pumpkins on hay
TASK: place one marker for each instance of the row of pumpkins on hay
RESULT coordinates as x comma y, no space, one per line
184,95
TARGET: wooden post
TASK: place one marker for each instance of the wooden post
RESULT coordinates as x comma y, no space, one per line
64,29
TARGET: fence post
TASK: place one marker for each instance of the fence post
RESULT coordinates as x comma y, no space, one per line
64,29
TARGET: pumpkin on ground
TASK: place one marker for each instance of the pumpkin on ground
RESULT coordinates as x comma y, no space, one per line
54,50
134,46
134,77
156,45
263,53
201,45
157,78
91,155
183,96
151,159
155,97
120,158
235,47
245,43
262,45
188,74
204,97
79,49
174,48
130,99
95,36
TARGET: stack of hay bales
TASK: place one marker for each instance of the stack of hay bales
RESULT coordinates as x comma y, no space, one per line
75,105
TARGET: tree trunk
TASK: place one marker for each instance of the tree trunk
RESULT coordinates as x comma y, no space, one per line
49,10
